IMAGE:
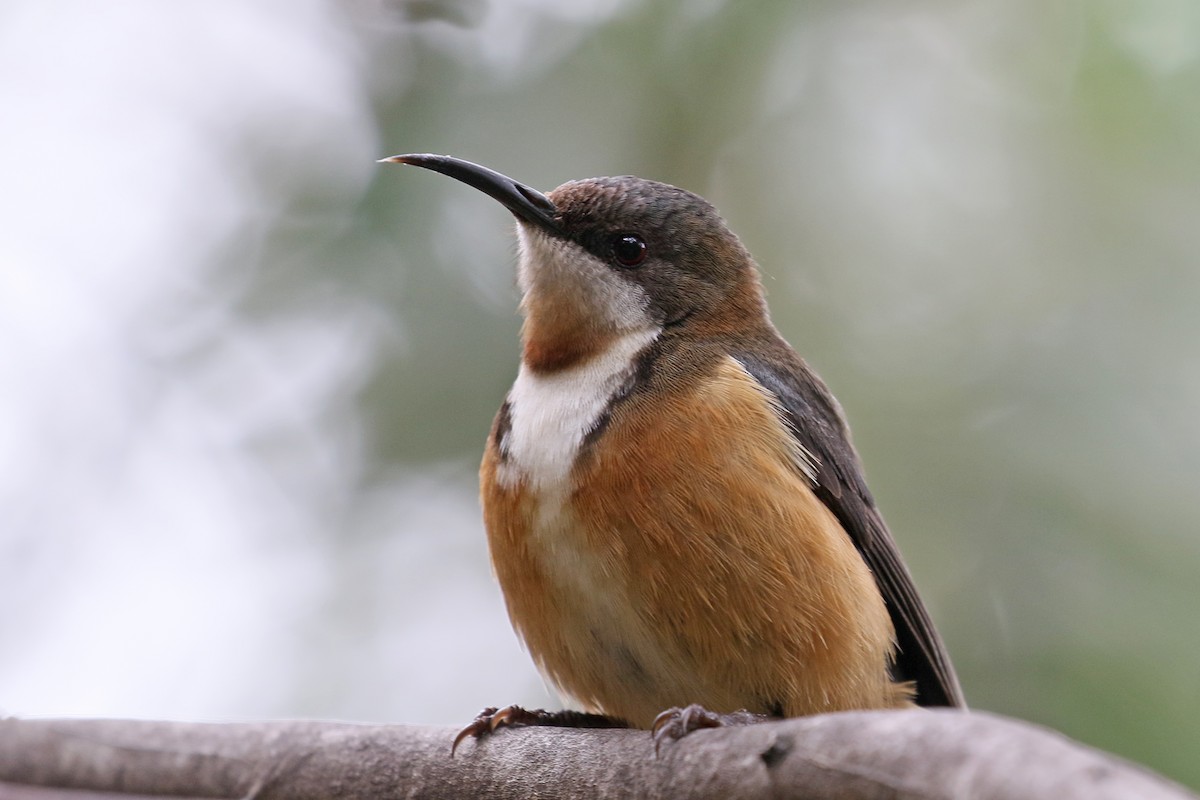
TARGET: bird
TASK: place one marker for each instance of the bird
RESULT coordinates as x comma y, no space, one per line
678,520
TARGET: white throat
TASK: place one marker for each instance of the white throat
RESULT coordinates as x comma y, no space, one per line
550,414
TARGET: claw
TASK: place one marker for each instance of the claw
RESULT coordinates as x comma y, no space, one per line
492,719
503,717
479,726
676,723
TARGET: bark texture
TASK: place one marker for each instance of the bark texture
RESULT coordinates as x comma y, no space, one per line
889,754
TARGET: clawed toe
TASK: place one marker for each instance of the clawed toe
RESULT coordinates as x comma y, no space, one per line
492,719
488,721
676,723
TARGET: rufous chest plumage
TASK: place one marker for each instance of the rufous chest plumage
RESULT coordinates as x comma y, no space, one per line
663,547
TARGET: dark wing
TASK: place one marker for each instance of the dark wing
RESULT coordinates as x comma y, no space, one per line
816,421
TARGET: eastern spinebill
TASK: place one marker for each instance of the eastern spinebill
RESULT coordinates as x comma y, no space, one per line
676,515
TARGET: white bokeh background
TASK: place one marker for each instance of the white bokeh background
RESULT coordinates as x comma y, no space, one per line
171,466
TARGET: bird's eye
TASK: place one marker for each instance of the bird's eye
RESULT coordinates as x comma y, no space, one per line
628,249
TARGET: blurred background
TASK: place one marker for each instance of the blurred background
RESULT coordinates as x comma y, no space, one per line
246,373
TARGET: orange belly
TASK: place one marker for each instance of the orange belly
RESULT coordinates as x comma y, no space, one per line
687,560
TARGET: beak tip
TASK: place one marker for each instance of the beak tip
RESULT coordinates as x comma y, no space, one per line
427,160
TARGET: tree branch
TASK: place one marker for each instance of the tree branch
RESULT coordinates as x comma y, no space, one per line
889,754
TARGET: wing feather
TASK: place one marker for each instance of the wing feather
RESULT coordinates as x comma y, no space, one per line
816,421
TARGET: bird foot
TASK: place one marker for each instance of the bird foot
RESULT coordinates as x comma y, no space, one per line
492,719
676,723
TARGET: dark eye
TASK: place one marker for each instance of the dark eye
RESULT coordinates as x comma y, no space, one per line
628,249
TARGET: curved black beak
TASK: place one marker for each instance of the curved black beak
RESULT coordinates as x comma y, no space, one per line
526,203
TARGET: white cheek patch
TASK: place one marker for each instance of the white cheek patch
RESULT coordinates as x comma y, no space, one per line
551,413
558,268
